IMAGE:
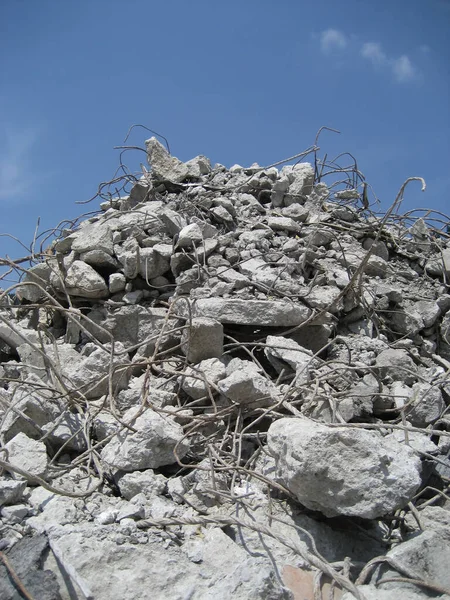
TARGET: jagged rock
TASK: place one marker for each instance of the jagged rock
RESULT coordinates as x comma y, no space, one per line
202,339
283,351
82,280
94,237
141,482
89,371
251,312
117,283
249,389
199,377
11,491
427,404
39,275
151,446
167,167
341,471
27,558
67,431
27,454
34,406
397,365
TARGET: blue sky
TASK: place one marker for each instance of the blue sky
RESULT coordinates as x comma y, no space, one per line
239,81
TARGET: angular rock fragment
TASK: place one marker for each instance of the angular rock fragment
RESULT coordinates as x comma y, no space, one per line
27,454
82,280
251,312
201,339
150,446
341,471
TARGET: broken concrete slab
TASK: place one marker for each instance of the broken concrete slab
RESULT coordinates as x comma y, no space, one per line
150,445
27,454
201,339
250,312
341,471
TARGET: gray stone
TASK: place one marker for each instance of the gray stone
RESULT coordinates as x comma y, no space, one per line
377,248
429,311
249,389
283,351
82,280
296,212
397,365
11,491
32,408
94,237
15,514
427,406
283,224
27,454
202,339
173,221
426,554
446,261
117,283
99,258
141,482
251,312
151,446
152,263
230,275
128,256
221,214
67,431
324,296
27,558
132,325
200,377
189,236
88,371
198,166
341,471
301,177
164,166
39,275
167,570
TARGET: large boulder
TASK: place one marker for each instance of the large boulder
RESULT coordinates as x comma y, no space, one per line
343,471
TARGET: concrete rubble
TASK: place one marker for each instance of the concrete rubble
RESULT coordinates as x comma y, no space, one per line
222,384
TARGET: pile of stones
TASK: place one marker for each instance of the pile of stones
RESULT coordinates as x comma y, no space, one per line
229,383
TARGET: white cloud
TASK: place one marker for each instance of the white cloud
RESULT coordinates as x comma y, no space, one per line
403,69
332,39
373,52
15,170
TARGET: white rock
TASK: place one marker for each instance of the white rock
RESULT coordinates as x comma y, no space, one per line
189,236
117,282
202,339
150,447
82,280
249,389
281,350
11,491
27,454
250,312
94,237
40,275
343,471
205,373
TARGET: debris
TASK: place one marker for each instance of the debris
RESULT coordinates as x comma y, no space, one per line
226,381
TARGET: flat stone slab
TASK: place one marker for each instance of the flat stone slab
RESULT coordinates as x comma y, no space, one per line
248,312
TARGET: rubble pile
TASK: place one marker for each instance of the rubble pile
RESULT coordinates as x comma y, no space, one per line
229,383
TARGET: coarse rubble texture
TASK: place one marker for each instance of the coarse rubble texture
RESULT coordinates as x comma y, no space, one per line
228,383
